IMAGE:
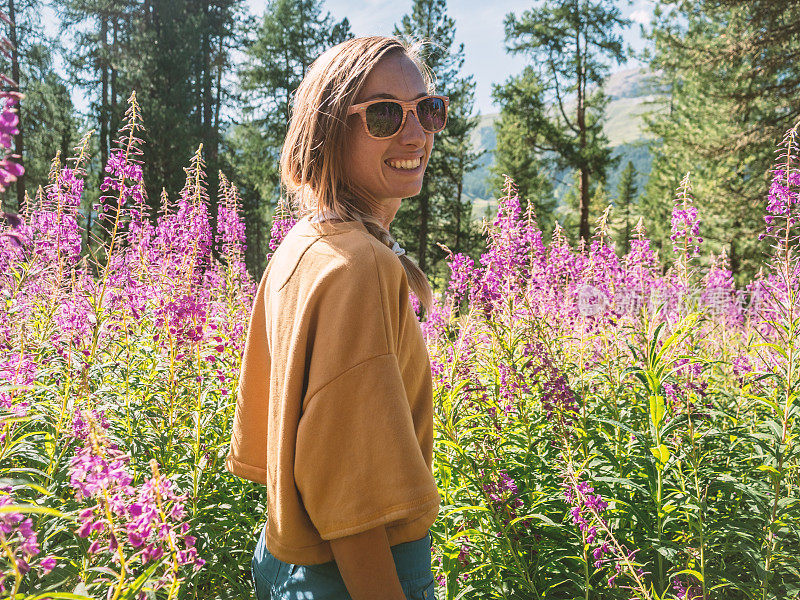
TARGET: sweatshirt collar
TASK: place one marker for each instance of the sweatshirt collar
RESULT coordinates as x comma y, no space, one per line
310,228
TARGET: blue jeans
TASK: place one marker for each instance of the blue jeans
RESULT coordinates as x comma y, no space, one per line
276,580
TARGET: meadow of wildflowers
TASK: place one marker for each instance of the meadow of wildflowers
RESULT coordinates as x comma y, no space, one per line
603,429
607,430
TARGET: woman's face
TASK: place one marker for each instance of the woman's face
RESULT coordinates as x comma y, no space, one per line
370,160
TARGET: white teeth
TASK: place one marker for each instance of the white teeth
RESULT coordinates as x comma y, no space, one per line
404,164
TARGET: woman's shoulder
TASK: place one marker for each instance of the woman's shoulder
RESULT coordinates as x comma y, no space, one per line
349,242
335,254
355,256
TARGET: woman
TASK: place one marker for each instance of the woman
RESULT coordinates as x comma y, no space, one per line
335,411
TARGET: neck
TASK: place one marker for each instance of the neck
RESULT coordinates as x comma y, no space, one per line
388,210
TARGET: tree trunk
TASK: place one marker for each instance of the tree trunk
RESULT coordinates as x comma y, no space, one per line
422,239
583,207
113,120
104,133
459,207
104,215
733,258
214,147
207,91
18,145
627,226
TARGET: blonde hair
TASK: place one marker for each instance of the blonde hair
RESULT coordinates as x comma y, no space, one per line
311,167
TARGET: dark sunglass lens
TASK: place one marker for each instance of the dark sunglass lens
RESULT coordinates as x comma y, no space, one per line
384,118
431,113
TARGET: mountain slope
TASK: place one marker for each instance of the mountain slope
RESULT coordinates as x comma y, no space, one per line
629,100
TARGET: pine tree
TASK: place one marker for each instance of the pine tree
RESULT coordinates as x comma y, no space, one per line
728,71
47,124
439,213
515,158
96,29
569,212
173,53
626,194
279,51
291,36
181,85
572,43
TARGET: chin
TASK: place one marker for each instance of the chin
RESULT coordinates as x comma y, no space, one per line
408,194
412,191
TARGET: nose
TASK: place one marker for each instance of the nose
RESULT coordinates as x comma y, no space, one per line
412,133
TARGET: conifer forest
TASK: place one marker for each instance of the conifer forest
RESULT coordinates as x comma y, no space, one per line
614,339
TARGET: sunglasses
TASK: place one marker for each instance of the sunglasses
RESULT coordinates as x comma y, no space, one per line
384,118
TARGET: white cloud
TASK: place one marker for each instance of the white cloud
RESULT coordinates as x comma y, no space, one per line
641,16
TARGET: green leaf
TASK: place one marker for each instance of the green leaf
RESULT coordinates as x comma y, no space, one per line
697,574
59,595
657,410
661,453
133,590
475,508
32,509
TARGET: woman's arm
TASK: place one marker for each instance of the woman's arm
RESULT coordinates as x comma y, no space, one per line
367,566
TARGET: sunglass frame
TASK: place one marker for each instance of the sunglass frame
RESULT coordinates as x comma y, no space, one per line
407,107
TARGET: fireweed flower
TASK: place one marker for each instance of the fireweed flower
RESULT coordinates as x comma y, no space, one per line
82,422
8,120
639,285
74,319
558,400
124,196
784,192
281,224
587,508
688,589
19,544
14,236
639,269
125,177
15,369
561,266
147,519
183,234
183,317
686,392
720,296
504,498
462,272
126,182
415,304
230,237
436,319
598,280
56,231
513,242
685,222
672,395
741,366
512,387
10,170
463,558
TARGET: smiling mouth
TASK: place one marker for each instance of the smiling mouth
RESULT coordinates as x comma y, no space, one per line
404,165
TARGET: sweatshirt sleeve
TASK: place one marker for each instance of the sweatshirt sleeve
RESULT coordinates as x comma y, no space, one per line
247,455
358,461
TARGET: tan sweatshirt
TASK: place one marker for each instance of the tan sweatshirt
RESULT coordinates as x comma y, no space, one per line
334,410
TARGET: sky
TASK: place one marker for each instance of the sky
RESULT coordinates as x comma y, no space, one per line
479,26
